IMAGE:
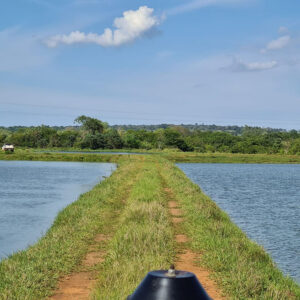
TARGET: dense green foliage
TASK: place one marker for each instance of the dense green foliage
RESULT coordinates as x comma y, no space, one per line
233,129
94,134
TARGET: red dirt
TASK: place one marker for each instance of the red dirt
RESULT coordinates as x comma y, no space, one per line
78,285
177,220
181,238
100,237
186,260
93,258
176,212
172,204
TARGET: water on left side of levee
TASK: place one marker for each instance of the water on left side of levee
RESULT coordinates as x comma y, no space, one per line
33,192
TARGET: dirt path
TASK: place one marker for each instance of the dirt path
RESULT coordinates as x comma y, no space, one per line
186,259
77,286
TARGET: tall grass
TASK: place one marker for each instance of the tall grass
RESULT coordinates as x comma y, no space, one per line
143,242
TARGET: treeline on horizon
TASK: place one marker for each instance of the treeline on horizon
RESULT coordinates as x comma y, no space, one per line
91,133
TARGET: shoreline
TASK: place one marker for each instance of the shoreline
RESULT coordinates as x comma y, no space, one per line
128,206
175,157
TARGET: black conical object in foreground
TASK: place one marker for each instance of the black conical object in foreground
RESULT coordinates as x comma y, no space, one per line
169,285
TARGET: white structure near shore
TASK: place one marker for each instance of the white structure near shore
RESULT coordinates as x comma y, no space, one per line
8,147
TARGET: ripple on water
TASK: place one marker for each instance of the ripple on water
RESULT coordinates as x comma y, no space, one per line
263,200
32,193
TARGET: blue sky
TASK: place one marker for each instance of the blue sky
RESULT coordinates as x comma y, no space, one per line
227,62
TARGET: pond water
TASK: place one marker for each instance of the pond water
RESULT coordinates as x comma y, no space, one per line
33,192
263,200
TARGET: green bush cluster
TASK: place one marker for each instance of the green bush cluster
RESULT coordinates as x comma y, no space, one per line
94,134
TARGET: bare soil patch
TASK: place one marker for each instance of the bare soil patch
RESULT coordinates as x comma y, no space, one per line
181,238
176,212
78,285
172,204
93,258
176,220
101,237
186,259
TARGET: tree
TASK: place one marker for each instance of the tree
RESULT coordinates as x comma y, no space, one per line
295,147
113,139
131,140
3,135
68,137
91,125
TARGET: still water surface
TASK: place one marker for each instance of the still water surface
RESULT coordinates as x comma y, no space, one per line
33,192
263,200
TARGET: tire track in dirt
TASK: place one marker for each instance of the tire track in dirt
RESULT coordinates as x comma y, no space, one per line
187,259
78,285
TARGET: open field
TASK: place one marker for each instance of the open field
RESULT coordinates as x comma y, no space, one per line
131,209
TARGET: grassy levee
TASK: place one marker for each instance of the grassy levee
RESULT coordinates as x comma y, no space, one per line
144,240
194,157
34,273
52,156
131,207
240,266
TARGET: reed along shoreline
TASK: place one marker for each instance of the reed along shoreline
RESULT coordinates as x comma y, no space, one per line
131,208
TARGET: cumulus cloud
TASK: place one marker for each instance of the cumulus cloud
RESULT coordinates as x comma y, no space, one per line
279,43
132,25
239,66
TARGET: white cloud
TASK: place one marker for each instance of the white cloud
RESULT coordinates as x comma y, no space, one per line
197,4
239,66
133,24
277,44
